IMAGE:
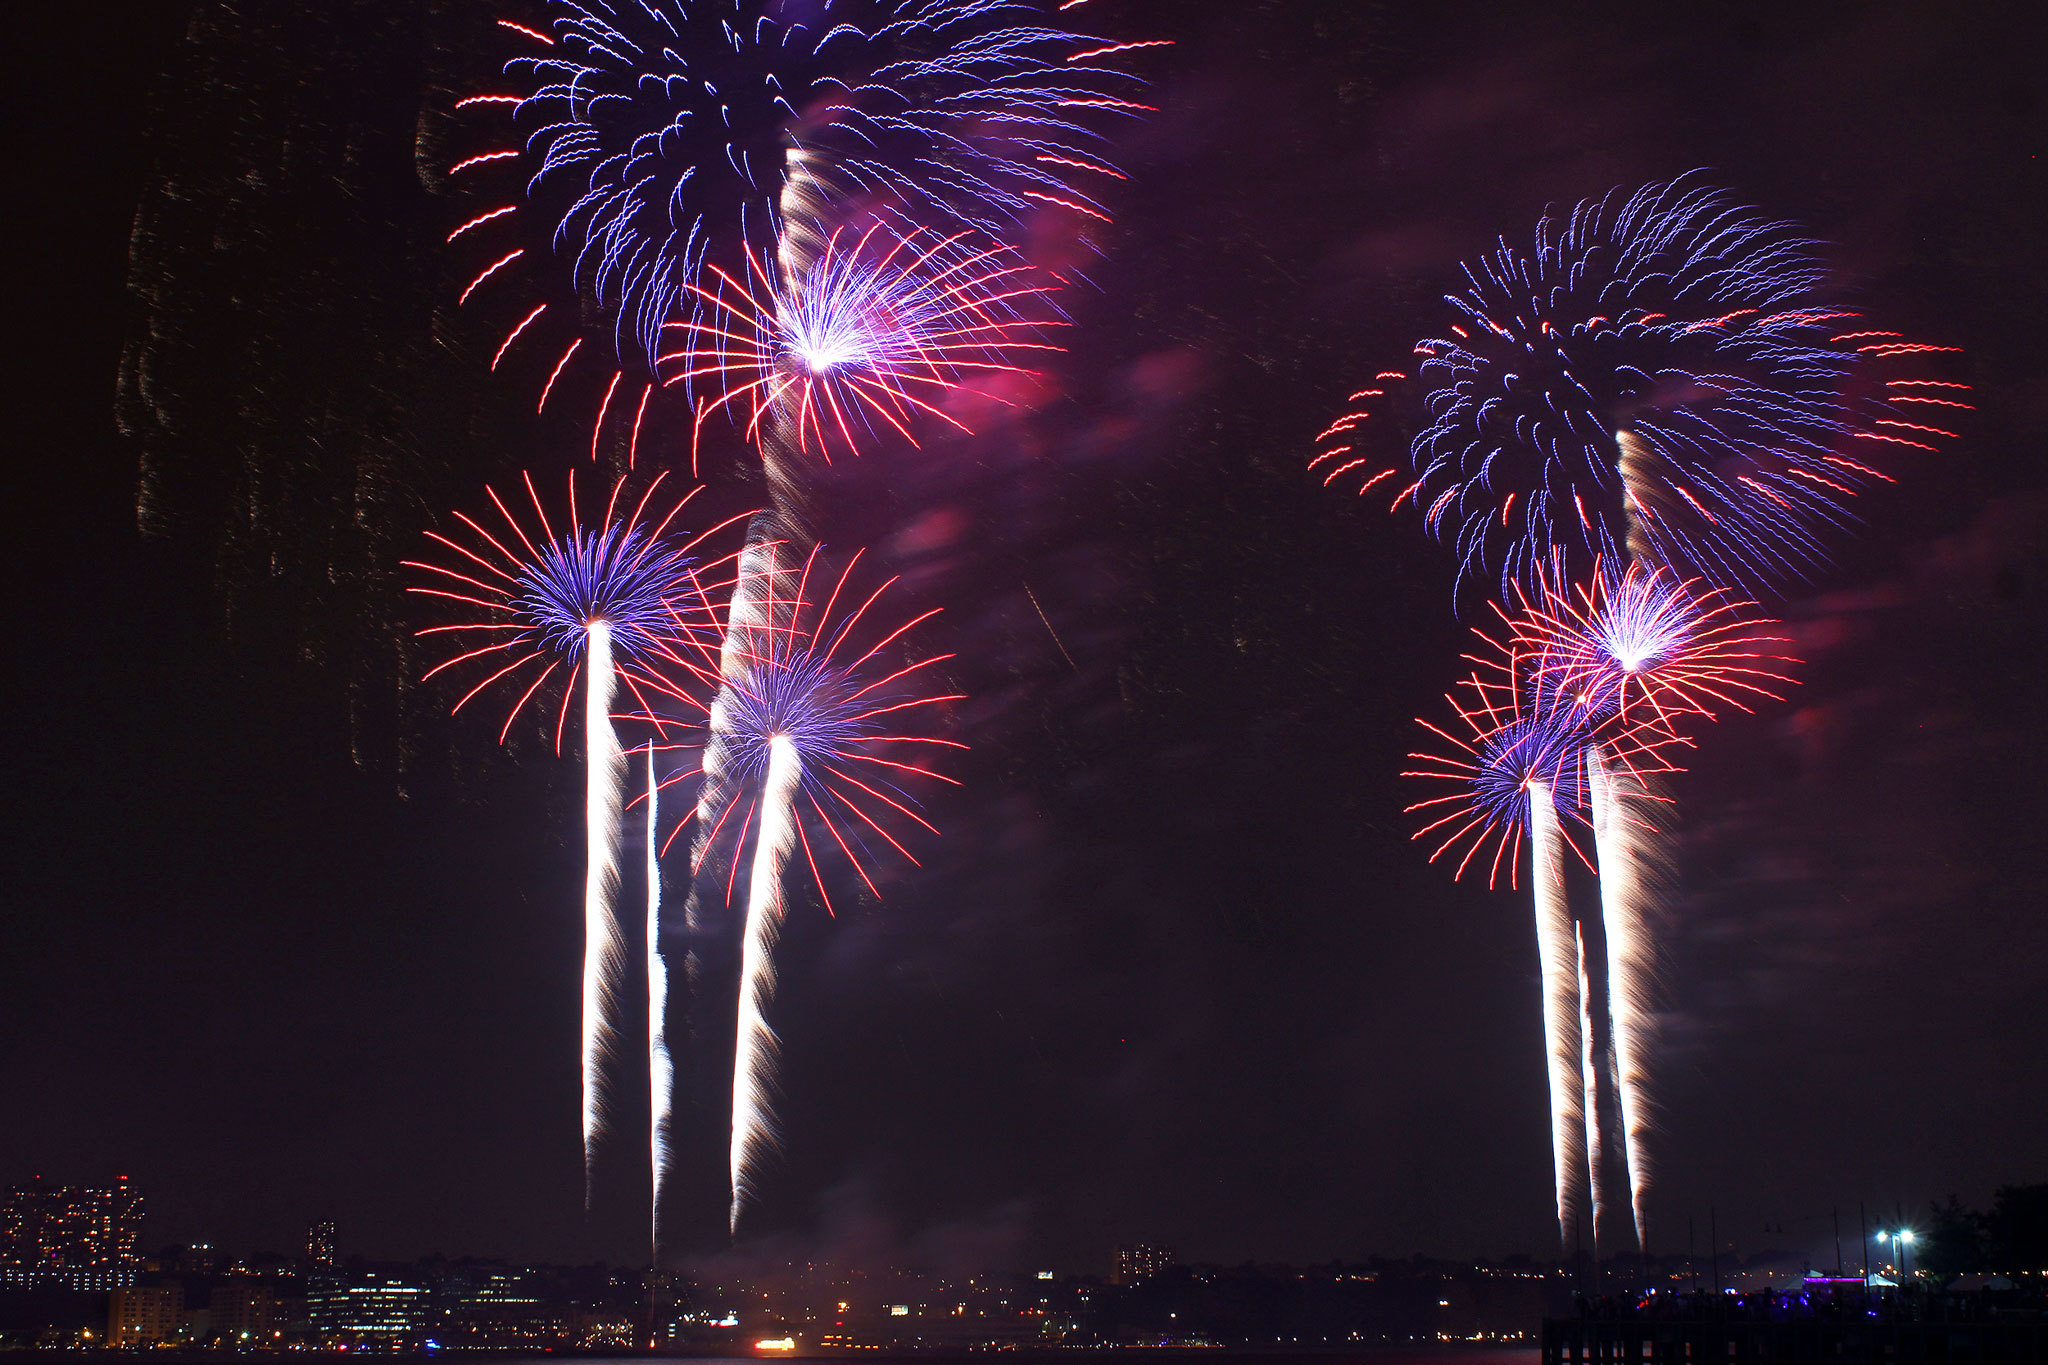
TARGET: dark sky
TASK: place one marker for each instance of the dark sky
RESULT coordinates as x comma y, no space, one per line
283,942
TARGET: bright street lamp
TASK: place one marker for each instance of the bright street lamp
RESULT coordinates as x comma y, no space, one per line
1902,1242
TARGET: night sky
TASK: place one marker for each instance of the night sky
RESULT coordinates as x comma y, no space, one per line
282,941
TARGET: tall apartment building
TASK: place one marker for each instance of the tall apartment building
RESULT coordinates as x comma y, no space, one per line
68,1235
320,1255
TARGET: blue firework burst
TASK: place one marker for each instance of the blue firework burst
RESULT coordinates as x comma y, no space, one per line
538,594
655,132
1501,750
1659,374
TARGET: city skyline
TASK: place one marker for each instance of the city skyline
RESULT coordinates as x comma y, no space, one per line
71,1275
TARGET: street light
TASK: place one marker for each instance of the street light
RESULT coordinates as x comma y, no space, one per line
1902,1241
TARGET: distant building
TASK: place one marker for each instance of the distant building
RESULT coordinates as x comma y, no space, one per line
1137,1261
377,1311
320,1256
200,1258
71,1236
243,1312
144,1315
497,1307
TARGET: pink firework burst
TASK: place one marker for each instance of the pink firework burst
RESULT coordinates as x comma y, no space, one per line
870,339
1643,647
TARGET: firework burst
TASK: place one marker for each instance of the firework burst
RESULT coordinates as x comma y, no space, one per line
1631,661
1516,776
611,602
814,749
1644,647
642,138
1660,377
1501,749
1658,396
872,335
1632,651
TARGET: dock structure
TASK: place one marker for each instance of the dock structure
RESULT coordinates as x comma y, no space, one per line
1845,1340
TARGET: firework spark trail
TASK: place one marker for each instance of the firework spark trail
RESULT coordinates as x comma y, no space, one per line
748,611
1620,842
1592,1064
754,1051
661,1070
753,609
1049,630
1627,844
1632,464
1513,766
603,948
1556,947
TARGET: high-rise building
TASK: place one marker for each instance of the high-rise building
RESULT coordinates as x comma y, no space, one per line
71,1236
320,1256
1137,1261
144,1315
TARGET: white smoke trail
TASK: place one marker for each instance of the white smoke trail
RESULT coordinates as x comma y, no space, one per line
1626,851
752,592
604,775
754,1050
1556,952
661,1072
1632,464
